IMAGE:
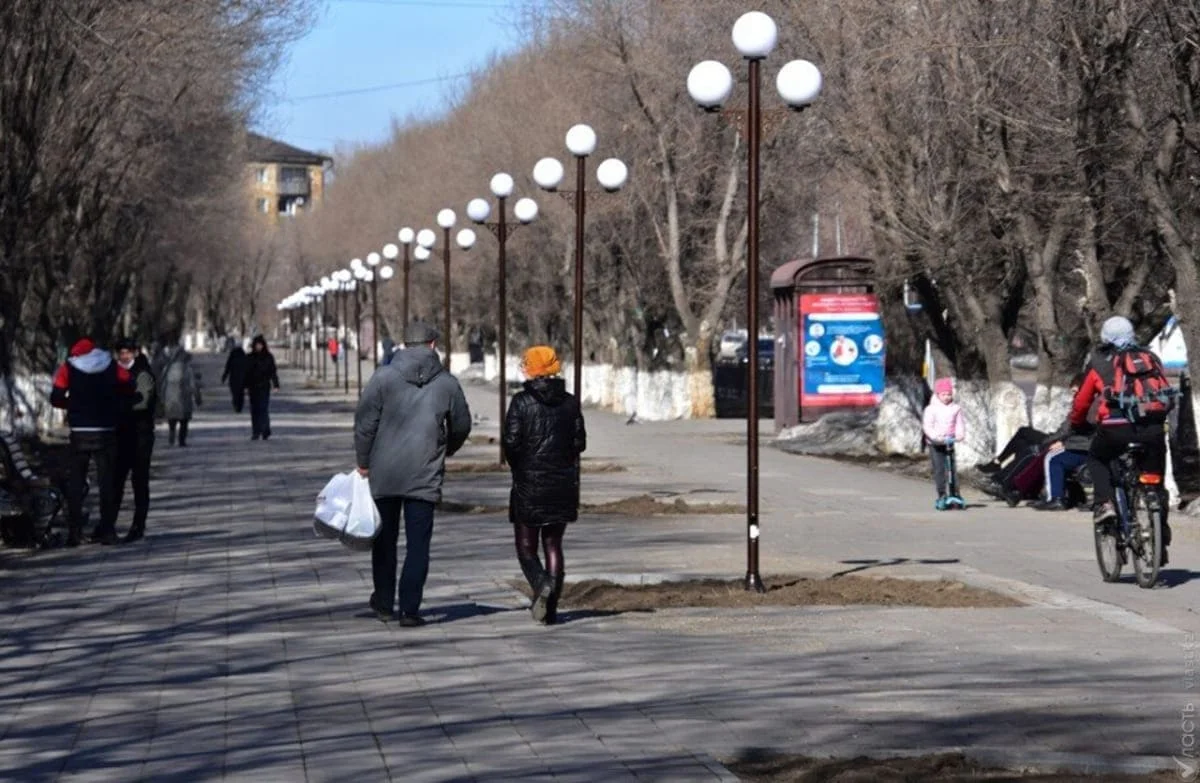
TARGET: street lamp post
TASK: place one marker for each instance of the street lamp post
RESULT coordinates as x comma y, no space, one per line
361,275
386,272
479,210
326,286
548,174
313,298
406,236
709,83
465,239
373,260
345,278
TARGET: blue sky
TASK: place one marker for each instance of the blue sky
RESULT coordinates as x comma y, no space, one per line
357,45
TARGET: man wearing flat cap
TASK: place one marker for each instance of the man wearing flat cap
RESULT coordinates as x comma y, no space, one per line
413,415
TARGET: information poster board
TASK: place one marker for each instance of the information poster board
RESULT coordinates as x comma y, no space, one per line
843,349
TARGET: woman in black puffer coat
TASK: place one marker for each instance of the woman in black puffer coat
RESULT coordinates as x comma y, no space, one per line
543,438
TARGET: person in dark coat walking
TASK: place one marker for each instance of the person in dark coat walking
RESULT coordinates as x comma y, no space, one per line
260,377
543,438
135,437
413,415
92,388
235,376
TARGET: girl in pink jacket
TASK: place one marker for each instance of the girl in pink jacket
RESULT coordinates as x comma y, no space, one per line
943,425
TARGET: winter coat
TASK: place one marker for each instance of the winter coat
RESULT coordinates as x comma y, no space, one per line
140,412
178,389
260,370
543,438
92,388
413,415
942,421
235,369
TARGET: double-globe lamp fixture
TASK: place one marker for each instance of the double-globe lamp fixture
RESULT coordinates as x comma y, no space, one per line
709,84
426,239
479,210
548,174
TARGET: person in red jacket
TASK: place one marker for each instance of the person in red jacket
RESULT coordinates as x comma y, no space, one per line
94,390
1114,432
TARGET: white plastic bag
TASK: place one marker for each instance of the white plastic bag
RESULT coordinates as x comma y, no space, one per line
346,511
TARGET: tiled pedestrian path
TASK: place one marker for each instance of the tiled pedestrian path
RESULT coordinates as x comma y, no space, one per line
233,644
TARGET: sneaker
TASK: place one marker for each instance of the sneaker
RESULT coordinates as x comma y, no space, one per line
1104,513
1057,504
105,537
988,468
134,534
411,621
940,504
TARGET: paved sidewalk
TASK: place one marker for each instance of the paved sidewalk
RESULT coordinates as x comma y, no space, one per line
233,644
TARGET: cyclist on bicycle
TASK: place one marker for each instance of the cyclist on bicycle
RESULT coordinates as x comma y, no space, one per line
1114,431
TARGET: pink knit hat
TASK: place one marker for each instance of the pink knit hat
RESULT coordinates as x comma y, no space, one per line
943,386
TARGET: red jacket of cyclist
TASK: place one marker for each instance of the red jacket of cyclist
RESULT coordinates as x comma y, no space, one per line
1114,432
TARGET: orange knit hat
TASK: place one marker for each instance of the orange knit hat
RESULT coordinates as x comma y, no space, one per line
540,360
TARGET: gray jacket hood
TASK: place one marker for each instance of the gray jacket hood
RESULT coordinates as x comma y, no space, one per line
418,365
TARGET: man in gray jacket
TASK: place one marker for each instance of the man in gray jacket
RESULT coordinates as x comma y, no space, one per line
413,415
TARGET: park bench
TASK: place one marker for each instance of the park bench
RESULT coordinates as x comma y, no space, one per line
29,503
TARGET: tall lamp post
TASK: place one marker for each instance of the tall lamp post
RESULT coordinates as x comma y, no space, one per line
326,286
548,174
313,298
465,239
479,210
345,281
799,84
361,275
406,236
385,273
373,260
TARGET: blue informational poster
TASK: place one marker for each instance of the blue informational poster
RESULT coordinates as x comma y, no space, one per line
843,351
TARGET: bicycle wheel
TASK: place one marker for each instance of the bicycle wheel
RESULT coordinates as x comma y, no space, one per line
1147,532
1108,551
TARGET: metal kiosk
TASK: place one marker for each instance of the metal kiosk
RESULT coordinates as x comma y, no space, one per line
829,344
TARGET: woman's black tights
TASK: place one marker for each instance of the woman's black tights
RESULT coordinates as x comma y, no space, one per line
551,539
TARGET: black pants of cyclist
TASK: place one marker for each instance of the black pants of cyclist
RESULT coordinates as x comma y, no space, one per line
1111,441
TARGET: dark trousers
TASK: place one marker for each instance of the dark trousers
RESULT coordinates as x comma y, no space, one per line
182,424
134,447
1111,441
418,533
939,460
260,411
238,394
86,448
1058,465
1023,440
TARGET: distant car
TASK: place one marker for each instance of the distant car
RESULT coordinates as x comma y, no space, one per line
730,343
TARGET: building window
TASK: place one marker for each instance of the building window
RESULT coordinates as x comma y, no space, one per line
297,174
263,206
262,175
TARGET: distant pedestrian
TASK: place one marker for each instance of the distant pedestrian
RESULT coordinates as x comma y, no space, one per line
543,438
235,376
260,377
178,391
332,346
943,426
92,388
135,437
413,415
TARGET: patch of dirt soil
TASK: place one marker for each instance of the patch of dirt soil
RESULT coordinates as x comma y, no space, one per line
913,466
602,595
474,466
454,507
647,506
945,767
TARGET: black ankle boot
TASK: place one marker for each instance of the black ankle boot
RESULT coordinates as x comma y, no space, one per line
540,583
552,604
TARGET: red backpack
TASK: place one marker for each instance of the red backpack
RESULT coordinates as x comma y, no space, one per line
1140,390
